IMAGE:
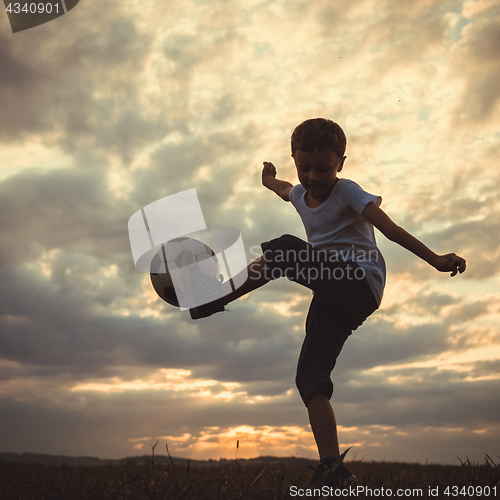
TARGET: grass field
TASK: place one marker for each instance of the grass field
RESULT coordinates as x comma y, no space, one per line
233,481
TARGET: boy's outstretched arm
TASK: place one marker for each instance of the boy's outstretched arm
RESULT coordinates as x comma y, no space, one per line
281,188
449,262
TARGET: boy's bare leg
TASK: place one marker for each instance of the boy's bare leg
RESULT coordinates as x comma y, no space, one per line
255,279
323,424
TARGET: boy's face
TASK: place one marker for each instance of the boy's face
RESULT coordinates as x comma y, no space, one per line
317,172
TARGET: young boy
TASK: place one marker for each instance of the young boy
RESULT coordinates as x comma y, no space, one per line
341,264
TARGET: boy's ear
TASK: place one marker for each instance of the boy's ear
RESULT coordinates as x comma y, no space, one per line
341,166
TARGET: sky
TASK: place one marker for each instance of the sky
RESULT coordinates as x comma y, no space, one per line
118,104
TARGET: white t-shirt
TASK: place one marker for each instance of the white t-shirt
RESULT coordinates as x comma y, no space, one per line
337,225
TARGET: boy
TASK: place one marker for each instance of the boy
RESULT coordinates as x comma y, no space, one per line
341,264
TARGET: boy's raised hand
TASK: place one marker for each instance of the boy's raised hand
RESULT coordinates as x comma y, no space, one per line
450,262
269,170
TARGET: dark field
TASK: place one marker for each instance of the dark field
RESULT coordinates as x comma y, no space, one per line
233,481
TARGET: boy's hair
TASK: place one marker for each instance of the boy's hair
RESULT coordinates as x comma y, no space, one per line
321,134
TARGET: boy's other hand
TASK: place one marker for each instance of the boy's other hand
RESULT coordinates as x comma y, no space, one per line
269,170
450,262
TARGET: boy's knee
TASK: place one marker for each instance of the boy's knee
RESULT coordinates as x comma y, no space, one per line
285,243
301,387
305,384
279,249
307,388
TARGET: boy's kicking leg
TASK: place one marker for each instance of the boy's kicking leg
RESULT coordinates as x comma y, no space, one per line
256,277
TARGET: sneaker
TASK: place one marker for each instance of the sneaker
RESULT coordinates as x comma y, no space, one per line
206,310
323,476
336,474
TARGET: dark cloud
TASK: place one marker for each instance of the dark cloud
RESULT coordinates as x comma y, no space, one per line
63,209
75,334
378,342
433,400
432,303
469,312
484,368
15,73
84,93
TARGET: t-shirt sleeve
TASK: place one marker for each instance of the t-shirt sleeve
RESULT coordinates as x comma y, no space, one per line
293,193
356,198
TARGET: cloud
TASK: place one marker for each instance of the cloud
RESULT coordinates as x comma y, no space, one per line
478,63
82,94
144,101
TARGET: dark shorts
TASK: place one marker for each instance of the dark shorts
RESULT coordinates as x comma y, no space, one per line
342,300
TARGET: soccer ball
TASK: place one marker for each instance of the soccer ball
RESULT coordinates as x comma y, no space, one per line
166,266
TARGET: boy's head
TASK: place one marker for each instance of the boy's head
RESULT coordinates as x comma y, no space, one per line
319,134
318,148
